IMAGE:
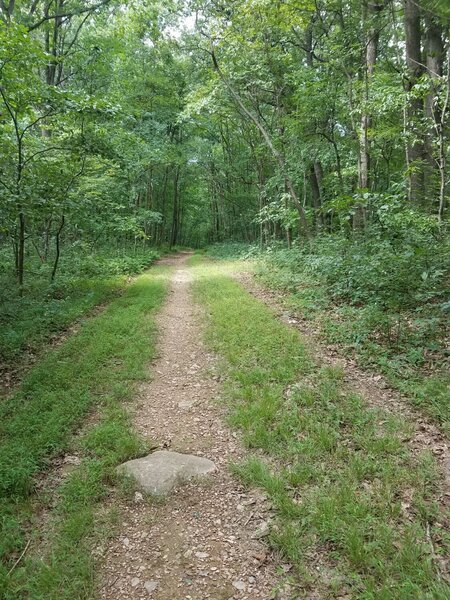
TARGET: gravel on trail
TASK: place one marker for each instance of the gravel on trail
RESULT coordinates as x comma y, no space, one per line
204,540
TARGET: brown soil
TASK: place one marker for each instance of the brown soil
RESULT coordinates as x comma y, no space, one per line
205,540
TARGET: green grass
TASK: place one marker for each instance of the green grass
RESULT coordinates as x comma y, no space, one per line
85,279
382,302
355,510
96,368
407,350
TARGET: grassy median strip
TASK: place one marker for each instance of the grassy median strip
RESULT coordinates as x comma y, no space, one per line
97,367
355,509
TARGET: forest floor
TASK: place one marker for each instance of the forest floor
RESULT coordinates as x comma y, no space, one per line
327,485
373,387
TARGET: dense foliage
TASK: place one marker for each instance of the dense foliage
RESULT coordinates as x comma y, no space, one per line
321,126
136,124
87,279
141,123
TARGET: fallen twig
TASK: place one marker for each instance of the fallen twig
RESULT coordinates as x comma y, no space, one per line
109,584
249,519
20,558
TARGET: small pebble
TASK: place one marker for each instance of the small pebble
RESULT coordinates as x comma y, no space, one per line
239,585
151,586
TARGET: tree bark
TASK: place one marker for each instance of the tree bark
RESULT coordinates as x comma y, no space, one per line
442,160
435,52
414,111
58,247
371,11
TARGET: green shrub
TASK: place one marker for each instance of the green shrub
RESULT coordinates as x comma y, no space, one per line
232,250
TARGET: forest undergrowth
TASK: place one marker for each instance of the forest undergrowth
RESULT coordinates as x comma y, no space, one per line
86,278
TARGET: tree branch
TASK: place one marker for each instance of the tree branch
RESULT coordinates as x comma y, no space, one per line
35,122
30,158
72,13
11,112
267,138
33,7
6,186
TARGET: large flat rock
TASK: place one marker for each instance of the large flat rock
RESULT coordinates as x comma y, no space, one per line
161,471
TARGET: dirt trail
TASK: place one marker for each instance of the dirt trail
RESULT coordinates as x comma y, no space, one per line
203,540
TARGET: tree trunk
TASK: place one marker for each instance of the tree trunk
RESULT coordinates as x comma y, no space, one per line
175,212
414,110
58,247
371,12
435,51
315,192
442,161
